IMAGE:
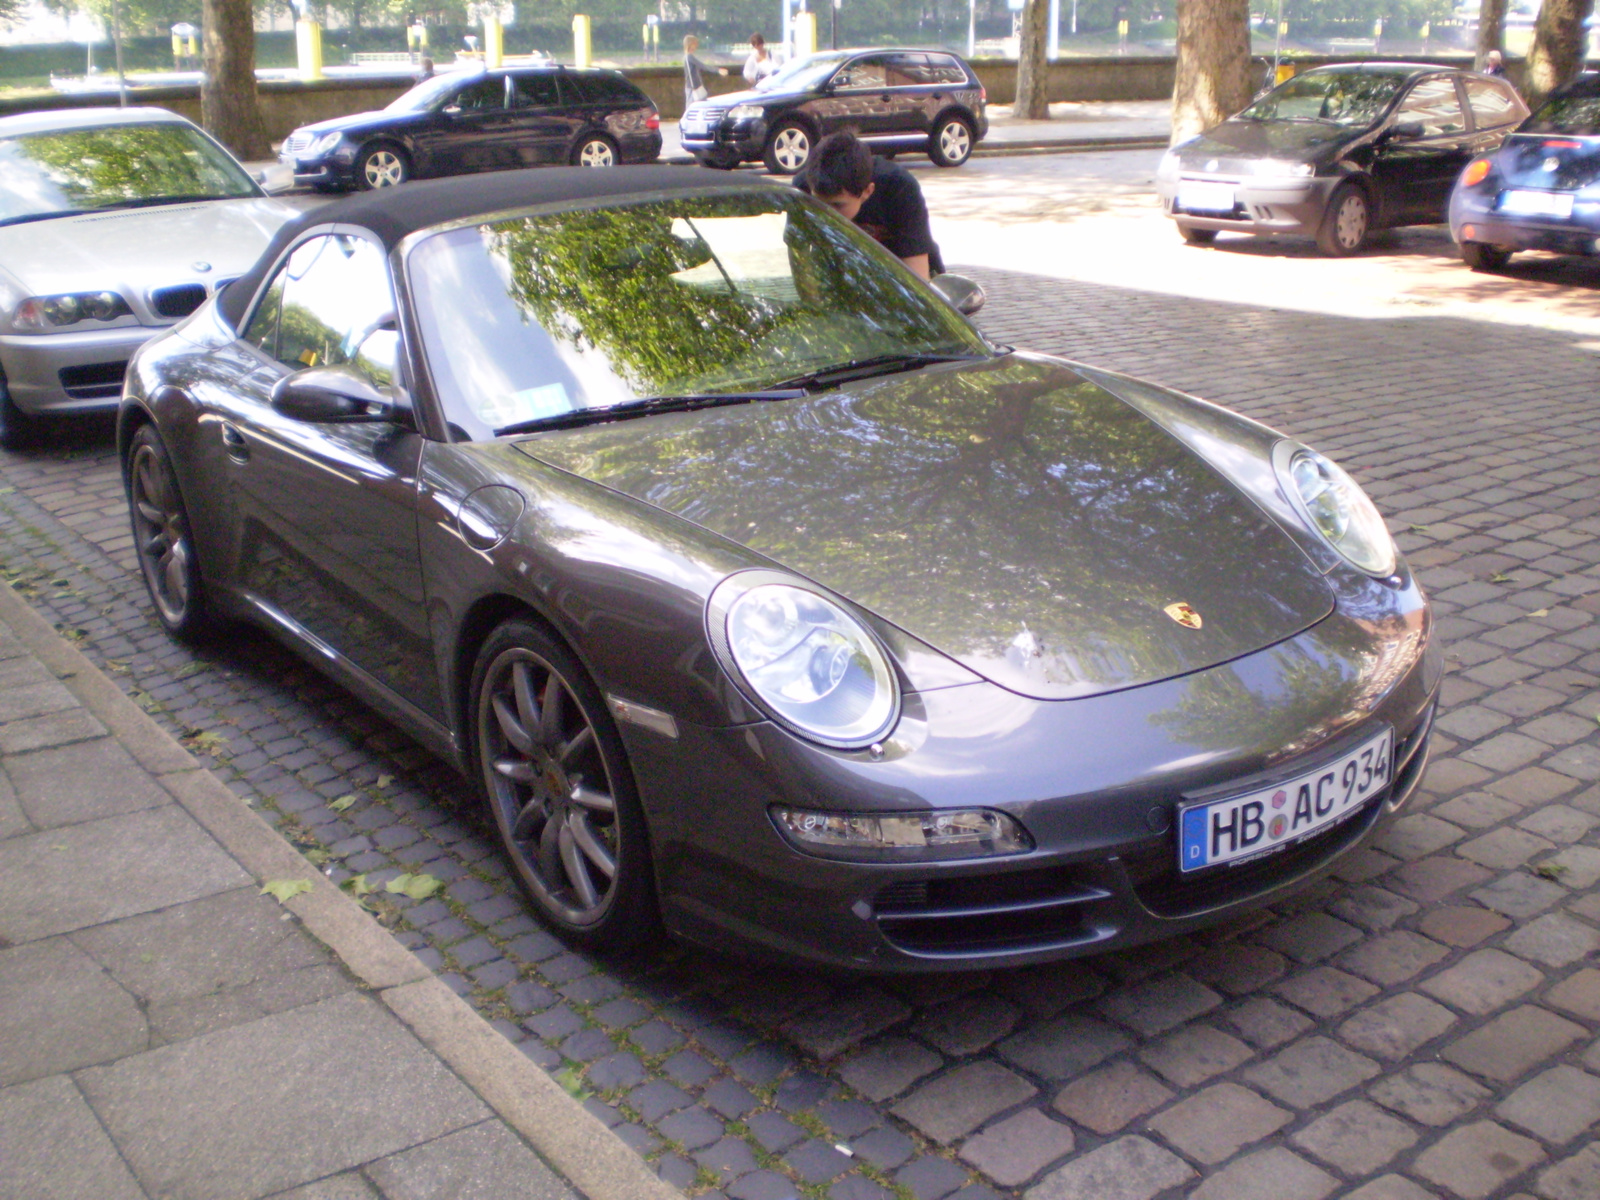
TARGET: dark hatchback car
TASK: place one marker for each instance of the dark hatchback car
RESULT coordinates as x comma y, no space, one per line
1540,190
1336,153
913,100
481,121
757,589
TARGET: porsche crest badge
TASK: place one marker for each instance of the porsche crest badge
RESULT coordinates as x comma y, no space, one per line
1184,614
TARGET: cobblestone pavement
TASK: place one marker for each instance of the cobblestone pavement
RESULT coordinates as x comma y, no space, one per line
1423,1025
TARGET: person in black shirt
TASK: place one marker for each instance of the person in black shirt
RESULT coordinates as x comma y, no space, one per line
880,197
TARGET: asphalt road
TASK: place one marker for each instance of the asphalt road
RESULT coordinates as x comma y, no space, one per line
1425,1025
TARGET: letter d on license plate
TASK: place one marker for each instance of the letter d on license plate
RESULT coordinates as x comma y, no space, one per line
1276,817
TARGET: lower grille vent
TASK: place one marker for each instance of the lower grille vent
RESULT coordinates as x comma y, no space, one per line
978,915
97,381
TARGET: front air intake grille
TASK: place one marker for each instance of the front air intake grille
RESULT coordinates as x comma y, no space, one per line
97,381
298,142
179,300
976,915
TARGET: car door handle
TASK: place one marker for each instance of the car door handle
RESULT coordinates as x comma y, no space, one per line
233,441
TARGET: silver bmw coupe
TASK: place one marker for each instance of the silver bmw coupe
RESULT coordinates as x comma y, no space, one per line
114,223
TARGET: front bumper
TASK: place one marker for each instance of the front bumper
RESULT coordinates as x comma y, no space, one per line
1261,206
744,139
1096,782
327,170
70,372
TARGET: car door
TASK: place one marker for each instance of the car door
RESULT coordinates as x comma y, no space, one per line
912,106
1415,174
860,97
544,126
327,523
469,131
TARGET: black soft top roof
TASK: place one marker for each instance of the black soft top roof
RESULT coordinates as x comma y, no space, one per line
391,214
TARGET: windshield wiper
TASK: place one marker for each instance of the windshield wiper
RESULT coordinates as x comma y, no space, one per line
41,216
152,201
864,368
647,407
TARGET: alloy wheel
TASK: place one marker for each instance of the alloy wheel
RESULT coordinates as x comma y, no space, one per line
792,148
383,168
161,534
597,153
955,143
553,795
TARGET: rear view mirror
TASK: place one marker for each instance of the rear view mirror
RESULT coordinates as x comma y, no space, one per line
326,394
964,294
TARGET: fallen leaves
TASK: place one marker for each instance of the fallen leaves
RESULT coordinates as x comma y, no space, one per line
285,889
419,886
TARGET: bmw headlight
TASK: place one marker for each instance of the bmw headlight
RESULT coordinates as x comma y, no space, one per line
42,312
743,112
1336,507
804,659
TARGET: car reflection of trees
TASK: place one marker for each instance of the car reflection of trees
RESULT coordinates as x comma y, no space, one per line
97,167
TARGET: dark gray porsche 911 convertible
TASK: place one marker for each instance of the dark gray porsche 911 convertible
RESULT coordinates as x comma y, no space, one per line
761,593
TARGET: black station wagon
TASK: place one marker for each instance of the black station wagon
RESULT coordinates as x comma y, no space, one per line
927,100
469,121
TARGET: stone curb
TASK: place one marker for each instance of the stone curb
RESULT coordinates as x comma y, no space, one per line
1010,149
591,1157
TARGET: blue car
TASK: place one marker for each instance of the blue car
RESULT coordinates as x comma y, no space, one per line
1540,190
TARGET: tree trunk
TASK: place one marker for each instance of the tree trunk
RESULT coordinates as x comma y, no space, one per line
1033,73
1559,43
1213,77
1491,30
228,107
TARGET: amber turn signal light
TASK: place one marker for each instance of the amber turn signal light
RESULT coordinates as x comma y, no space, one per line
1475,172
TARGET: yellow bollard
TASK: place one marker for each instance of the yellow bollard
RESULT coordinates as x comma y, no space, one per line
805,34
494,42
308,49
1285,71
582,45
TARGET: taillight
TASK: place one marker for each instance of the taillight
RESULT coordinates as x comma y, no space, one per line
1477,170
983,94
653,121
1563,145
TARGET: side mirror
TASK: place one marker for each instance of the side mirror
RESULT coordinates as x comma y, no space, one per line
964,295
451,110
1407,131
331,394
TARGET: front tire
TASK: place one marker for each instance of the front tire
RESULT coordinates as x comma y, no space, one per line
17,428
560,790
1347,223
788,148
1197,237
1483,257
951,142
382,166
595,151
163,539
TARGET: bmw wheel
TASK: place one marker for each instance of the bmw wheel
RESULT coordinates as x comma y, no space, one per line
560,789
951,142
162,538
381,166
788,149
595,151
1346,223
16,427
1482,257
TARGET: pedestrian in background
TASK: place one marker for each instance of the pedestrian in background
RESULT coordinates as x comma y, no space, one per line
760,63
1494,63
694,83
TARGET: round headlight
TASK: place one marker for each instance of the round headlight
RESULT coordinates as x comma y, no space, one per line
1337,508
807,661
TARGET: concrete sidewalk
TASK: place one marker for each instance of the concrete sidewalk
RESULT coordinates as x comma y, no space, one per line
170,1031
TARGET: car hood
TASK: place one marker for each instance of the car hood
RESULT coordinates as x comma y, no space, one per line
138,248
1017,516
362,121
1289,141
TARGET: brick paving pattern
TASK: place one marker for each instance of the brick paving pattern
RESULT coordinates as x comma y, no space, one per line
1423,1025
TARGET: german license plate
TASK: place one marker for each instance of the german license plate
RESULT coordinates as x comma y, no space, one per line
1276,817
1205,197
1536,204
691,125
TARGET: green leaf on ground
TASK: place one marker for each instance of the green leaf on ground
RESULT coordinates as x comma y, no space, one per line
317,856
384,781
343,802
571,1081
206,741
419,886
1540,612
285,889
357,885
1499,577
1552,871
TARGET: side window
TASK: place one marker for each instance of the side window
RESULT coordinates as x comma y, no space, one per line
575,90
1434,103
944,69
864,74
484,94
336,297
537,90
908,70
262,331
1491,105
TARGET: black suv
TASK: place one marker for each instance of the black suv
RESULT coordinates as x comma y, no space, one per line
893,99
481,121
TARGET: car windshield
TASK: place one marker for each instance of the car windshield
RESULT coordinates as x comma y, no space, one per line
426,96
802,74
1574,111
1351,98
67,171
551,317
